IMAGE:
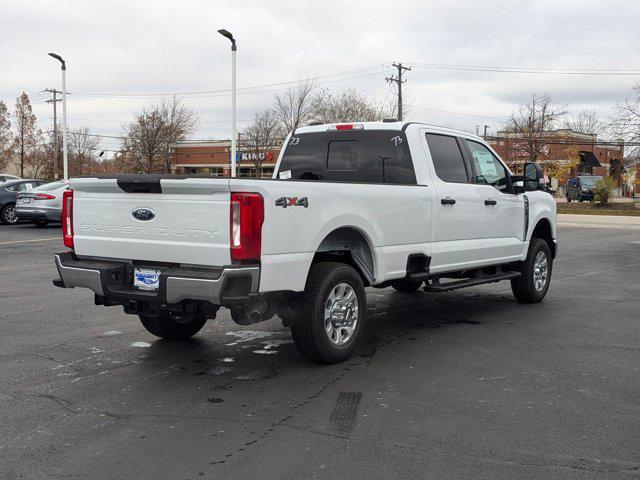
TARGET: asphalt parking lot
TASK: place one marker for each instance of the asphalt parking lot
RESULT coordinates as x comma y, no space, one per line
467,384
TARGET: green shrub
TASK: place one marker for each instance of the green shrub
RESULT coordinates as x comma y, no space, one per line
603,190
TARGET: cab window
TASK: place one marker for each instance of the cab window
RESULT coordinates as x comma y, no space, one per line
447,158
488,169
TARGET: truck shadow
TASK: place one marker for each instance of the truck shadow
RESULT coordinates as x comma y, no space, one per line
267,350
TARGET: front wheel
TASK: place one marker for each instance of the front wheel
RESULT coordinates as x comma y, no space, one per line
332,313
172,326
533,284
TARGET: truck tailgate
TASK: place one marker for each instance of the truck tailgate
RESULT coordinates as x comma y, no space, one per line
175,220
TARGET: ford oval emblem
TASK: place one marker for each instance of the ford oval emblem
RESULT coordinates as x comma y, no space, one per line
143,214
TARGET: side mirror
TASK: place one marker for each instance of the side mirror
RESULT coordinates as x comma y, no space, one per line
533,176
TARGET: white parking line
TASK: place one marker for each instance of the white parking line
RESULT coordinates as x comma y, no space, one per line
30,241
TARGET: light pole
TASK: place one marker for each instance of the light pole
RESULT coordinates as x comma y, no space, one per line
229,35
64,115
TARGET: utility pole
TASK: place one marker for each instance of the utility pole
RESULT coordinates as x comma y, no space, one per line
398,80
54,100
485,132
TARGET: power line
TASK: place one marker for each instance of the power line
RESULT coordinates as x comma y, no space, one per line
530,70
347,74
502,119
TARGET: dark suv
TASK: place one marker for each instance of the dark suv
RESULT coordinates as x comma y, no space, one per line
581,188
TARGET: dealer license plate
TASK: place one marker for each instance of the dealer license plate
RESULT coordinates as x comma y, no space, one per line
146,279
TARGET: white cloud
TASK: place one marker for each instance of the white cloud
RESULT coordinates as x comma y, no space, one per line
163,46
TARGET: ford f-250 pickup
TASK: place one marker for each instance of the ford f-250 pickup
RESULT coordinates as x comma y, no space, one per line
377,204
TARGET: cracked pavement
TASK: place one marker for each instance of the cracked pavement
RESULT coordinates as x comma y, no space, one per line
466,384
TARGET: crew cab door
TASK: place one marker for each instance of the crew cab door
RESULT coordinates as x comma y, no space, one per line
457,212
502,232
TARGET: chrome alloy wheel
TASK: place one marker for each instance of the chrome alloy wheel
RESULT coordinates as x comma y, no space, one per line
10,215
341,313
540,271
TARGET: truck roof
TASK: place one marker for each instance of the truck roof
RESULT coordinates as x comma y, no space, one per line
384,126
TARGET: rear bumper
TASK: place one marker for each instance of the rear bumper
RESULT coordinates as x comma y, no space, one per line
38,215
113,281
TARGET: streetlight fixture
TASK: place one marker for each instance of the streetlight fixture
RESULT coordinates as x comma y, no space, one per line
64,114
229,35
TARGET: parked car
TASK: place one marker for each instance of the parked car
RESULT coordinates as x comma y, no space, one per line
378,204
8,195
581,188
43,204
4,177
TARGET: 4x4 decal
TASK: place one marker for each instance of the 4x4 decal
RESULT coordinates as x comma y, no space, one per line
292,202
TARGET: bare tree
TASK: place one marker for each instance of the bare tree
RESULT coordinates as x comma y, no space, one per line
26,138
260,135
626,120
83,148
181,122
349,106
153,133
6,137
532,124
585,121
294,106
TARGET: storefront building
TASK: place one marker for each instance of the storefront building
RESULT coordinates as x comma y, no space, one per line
213,158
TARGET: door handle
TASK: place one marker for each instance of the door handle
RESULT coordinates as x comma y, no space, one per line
447,201
490,202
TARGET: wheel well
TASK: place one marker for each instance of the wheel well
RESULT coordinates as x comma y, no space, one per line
543,231
348,245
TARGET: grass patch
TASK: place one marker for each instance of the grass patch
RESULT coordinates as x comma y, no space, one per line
586,208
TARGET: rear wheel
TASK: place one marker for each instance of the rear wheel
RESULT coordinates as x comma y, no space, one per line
407,285
172,326
332,313
8,216
533,284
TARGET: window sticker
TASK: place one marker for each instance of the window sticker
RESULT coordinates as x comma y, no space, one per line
285,175
485,163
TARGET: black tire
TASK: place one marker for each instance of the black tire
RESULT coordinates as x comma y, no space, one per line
580,200
309,330
40,223
407,285
8,214
525,288
568,200
173,327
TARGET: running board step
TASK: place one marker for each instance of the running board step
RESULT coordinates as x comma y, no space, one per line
470,282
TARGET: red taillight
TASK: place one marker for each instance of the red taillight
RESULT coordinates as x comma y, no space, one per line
246,217
67,218
43,196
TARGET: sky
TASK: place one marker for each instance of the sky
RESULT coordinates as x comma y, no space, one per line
124,55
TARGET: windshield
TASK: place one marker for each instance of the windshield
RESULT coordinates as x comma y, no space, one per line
589,181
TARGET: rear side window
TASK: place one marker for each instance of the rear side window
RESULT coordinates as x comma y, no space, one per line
447,158
355,156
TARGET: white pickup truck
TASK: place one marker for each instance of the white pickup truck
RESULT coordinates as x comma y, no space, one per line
376,204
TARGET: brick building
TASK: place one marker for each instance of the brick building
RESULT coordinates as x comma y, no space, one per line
213,158
596,158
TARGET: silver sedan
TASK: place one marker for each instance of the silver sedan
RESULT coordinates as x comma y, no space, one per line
42,204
